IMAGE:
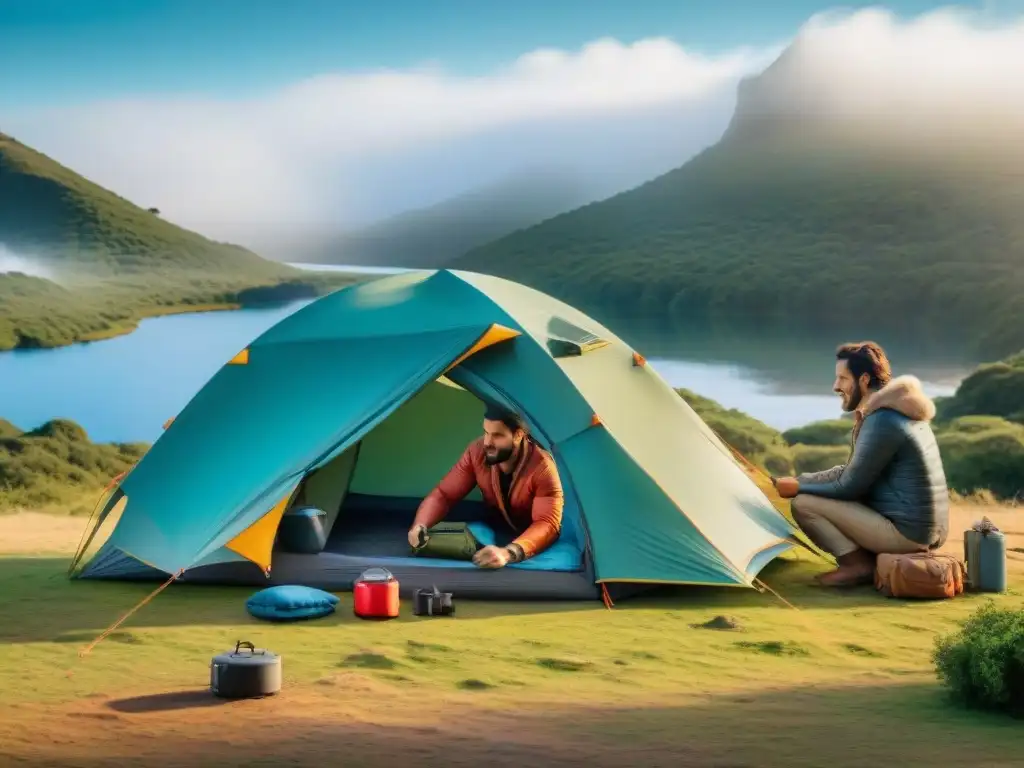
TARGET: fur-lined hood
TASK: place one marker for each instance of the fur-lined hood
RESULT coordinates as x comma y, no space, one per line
903,394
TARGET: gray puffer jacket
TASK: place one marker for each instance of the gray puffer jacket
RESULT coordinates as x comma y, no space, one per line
895,467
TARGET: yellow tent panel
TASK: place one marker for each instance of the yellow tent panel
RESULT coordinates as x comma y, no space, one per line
256,542
494,335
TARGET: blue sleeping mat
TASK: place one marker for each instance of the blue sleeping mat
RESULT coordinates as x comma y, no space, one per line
383,537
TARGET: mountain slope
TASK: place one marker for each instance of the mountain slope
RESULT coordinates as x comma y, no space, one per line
431,237
850,223
52,215
111,263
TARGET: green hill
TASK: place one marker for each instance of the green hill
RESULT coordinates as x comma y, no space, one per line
866,227
56,467
55,217
994,389
430,237
111,262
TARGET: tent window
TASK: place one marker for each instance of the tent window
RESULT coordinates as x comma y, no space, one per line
566,339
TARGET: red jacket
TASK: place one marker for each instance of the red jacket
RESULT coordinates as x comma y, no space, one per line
535,494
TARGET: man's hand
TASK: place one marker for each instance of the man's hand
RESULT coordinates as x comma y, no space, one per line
414,535
491,557
788,487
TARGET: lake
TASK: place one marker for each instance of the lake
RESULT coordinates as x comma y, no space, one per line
124,389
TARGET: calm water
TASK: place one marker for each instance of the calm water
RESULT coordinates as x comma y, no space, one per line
124,389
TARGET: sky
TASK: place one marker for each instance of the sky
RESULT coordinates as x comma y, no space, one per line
249,119
79,50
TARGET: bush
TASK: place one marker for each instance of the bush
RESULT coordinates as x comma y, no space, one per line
832,432
982,665
815,458
975,424
984,453
56,466
994,389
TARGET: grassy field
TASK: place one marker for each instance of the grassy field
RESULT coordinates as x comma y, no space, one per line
842,679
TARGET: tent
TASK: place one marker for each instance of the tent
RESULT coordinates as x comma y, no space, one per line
360,401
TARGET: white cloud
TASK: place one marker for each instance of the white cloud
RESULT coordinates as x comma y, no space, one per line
947,64
287,157
342,147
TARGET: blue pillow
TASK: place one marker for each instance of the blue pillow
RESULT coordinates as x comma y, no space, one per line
290,602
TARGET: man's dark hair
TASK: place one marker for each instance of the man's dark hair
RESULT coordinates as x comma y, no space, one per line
511,420
866,357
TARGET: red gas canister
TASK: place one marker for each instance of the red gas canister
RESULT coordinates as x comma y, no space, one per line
375,594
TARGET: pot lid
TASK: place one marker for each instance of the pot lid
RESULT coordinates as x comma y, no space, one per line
376,574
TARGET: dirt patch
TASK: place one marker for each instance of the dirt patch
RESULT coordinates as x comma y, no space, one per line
317,726
35,533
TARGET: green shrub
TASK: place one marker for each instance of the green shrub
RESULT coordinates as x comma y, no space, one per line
994,389
814,458
981,452
831,432
975,424
57,466
982,665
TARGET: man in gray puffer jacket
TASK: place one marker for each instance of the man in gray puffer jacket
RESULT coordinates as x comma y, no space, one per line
891,496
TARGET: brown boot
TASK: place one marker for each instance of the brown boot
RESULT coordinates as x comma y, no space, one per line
855,569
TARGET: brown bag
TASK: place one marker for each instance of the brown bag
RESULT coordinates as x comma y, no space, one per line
924,575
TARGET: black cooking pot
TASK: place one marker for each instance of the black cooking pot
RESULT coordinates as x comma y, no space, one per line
246,672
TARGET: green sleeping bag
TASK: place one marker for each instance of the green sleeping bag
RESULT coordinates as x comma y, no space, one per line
448,541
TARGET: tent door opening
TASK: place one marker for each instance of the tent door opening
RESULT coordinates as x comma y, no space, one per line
371,491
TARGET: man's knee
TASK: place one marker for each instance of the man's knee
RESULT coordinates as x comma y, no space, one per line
802,506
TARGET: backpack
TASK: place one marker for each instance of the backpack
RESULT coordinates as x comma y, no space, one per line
923,575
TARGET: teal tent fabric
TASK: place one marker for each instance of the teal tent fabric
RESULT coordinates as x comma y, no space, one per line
255,429
638,533
322,379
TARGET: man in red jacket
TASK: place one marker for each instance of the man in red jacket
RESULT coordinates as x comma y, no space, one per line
516,477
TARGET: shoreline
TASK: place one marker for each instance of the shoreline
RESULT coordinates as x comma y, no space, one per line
113,333
317,283
131,326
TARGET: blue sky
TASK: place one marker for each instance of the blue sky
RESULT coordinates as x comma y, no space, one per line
80,50
252,123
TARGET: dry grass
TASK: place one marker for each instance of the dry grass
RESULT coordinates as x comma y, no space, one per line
27,533
566,684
